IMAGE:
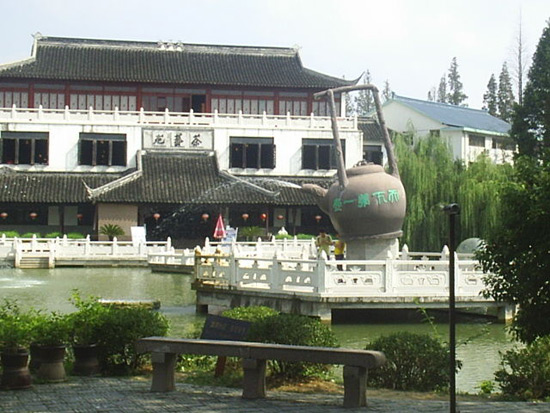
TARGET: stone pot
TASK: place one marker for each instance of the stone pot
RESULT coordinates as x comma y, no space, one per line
51,367
15,370
86,362
34,363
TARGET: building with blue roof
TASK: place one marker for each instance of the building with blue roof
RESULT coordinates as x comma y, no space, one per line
469,132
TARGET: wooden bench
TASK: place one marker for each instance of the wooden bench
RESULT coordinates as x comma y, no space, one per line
254,358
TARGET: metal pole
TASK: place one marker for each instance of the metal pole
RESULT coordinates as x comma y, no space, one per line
452,210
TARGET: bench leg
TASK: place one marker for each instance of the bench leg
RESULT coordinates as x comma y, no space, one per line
355,386
254,378
163,371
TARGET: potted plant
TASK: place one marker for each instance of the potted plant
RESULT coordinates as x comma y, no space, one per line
111,230
85,330
52,335
15,336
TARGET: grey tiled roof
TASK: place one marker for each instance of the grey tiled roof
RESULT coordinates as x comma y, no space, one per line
371,130
58,58
194,178
48,187
455,116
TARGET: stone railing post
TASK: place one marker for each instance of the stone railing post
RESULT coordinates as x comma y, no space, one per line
405,252
18,252
114,246
168,244
232,270
87,247
321,274
388,275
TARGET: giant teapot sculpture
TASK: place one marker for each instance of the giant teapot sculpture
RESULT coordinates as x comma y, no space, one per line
366,202
371,205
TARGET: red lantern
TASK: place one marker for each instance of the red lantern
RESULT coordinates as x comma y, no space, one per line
205,216
280,217
318,218
33,215
156,215
245,216
263,217
4,215
79,216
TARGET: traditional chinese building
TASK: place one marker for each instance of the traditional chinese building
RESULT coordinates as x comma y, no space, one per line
167,135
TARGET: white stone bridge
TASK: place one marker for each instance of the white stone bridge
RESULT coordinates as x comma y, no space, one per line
289,277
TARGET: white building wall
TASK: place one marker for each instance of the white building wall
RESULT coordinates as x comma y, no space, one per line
401,118
287,132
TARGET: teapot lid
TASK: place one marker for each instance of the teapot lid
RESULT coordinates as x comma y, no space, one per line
364,169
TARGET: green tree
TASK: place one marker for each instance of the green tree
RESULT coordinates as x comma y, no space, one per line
531,120
456,95
432,93
431,178
364,102
490,97
505,99
515,256
442,90
386,92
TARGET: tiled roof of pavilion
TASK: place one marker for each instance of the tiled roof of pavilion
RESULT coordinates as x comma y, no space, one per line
165,178
59,58
48,187
194,178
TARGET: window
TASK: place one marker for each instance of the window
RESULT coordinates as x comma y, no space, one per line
319,154
25,148
252,153
476,140
373,153
102,149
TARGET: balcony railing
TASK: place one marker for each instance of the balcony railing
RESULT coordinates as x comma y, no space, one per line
141,117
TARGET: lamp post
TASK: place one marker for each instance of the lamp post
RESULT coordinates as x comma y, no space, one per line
452,210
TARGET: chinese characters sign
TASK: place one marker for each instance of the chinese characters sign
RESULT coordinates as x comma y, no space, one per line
177,139
363,200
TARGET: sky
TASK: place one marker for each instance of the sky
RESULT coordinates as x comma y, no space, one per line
409,43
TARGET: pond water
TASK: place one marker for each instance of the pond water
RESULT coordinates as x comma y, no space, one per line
479,346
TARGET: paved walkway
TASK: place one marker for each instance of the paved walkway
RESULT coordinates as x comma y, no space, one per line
131,395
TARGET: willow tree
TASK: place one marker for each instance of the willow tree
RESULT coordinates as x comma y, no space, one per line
479,195
432,178
429,176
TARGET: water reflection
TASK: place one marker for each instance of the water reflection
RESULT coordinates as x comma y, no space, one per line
51,289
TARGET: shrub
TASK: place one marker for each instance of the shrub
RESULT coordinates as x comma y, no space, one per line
416,362
284,236
525,373
75,235
87,322
51,329
295,330
16,326
53,235
305,236
120,328
30,235
9,234
252,314
111,230
251,233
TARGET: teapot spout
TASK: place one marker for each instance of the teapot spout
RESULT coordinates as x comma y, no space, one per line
320,193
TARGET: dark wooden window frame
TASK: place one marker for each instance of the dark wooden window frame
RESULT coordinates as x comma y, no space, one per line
35,152
264,149
93,140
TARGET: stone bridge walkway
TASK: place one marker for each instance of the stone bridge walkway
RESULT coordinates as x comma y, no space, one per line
132,395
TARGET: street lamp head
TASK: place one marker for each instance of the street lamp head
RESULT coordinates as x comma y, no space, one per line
452,209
